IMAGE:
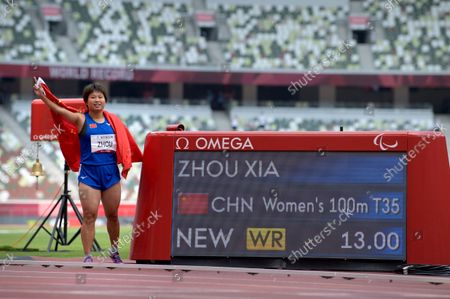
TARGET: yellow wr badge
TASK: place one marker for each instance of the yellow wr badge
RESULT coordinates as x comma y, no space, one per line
266,238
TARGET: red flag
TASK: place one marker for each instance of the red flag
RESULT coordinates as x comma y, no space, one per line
127,150
193,203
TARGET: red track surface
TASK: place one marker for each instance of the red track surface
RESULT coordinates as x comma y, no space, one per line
70,280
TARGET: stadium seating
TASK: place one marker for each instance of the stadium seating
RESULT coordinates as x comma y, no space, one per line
135,33
21,40
140,33
416,35
16,181
323,119
22,115
117,33
285,36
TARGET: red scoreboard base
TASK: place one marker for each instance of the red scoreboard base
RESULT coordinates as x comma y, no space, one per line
324,200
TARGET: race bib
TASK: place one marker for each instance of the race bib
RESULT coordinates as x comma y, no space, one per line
103,143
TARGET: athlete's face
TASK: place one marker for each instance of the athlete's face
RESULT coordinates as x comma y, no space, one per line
96,101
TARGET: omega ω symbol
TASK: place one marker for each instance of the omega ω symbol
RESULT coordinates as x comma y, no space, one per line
182,143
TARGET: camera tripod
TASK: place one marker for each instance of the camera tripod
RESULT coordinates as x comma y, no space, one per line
59,231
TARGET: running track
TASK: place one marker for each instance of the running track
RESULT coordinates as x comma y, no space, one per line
67,280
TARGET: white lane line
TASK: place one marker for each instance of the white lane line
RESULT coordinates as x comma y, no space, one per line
313,280
279,288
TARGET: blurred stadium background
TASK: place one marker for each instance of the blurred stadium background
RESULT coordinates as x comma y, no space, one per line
217,65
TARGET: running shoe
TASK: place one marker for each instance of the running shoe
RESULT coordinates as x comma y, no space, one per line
116,258
88,259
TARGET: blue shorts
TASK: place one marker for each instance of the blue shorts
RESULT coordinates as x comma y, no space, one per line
100,177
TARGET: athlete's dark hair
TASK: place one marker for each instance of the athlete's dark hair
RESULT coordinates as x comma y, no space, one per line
91,88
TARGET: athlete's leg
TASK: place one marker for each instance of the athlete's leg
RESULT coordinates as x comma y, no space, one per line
111,201
90,199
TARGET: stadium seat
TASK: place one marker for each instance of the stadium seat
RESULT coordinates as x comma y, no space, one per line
324,119
284,36
22,41
138,33
416,35
16,181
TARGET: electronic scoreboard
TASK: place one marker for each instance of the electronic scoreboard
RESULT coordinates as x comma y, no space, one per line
378,196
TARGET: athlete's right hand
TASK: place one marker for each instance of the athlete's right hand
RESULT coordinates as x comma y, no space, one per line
38,90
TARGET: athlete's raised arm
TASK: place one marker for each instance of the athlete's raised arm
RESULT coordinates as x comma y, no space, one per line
74,117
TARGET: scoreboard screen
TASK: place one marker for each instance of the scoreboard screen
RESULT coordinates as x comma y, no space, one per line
289,204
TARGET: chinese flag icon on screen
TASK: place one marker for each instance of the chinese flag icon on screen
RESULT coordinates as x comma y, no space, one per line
193,203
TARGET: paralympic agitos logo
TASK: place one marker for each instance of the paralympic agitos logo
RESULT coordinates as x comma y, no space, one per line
378,140
215,143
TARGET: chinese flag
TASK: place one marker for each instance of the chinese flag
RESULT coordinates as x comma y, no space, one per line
193,203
